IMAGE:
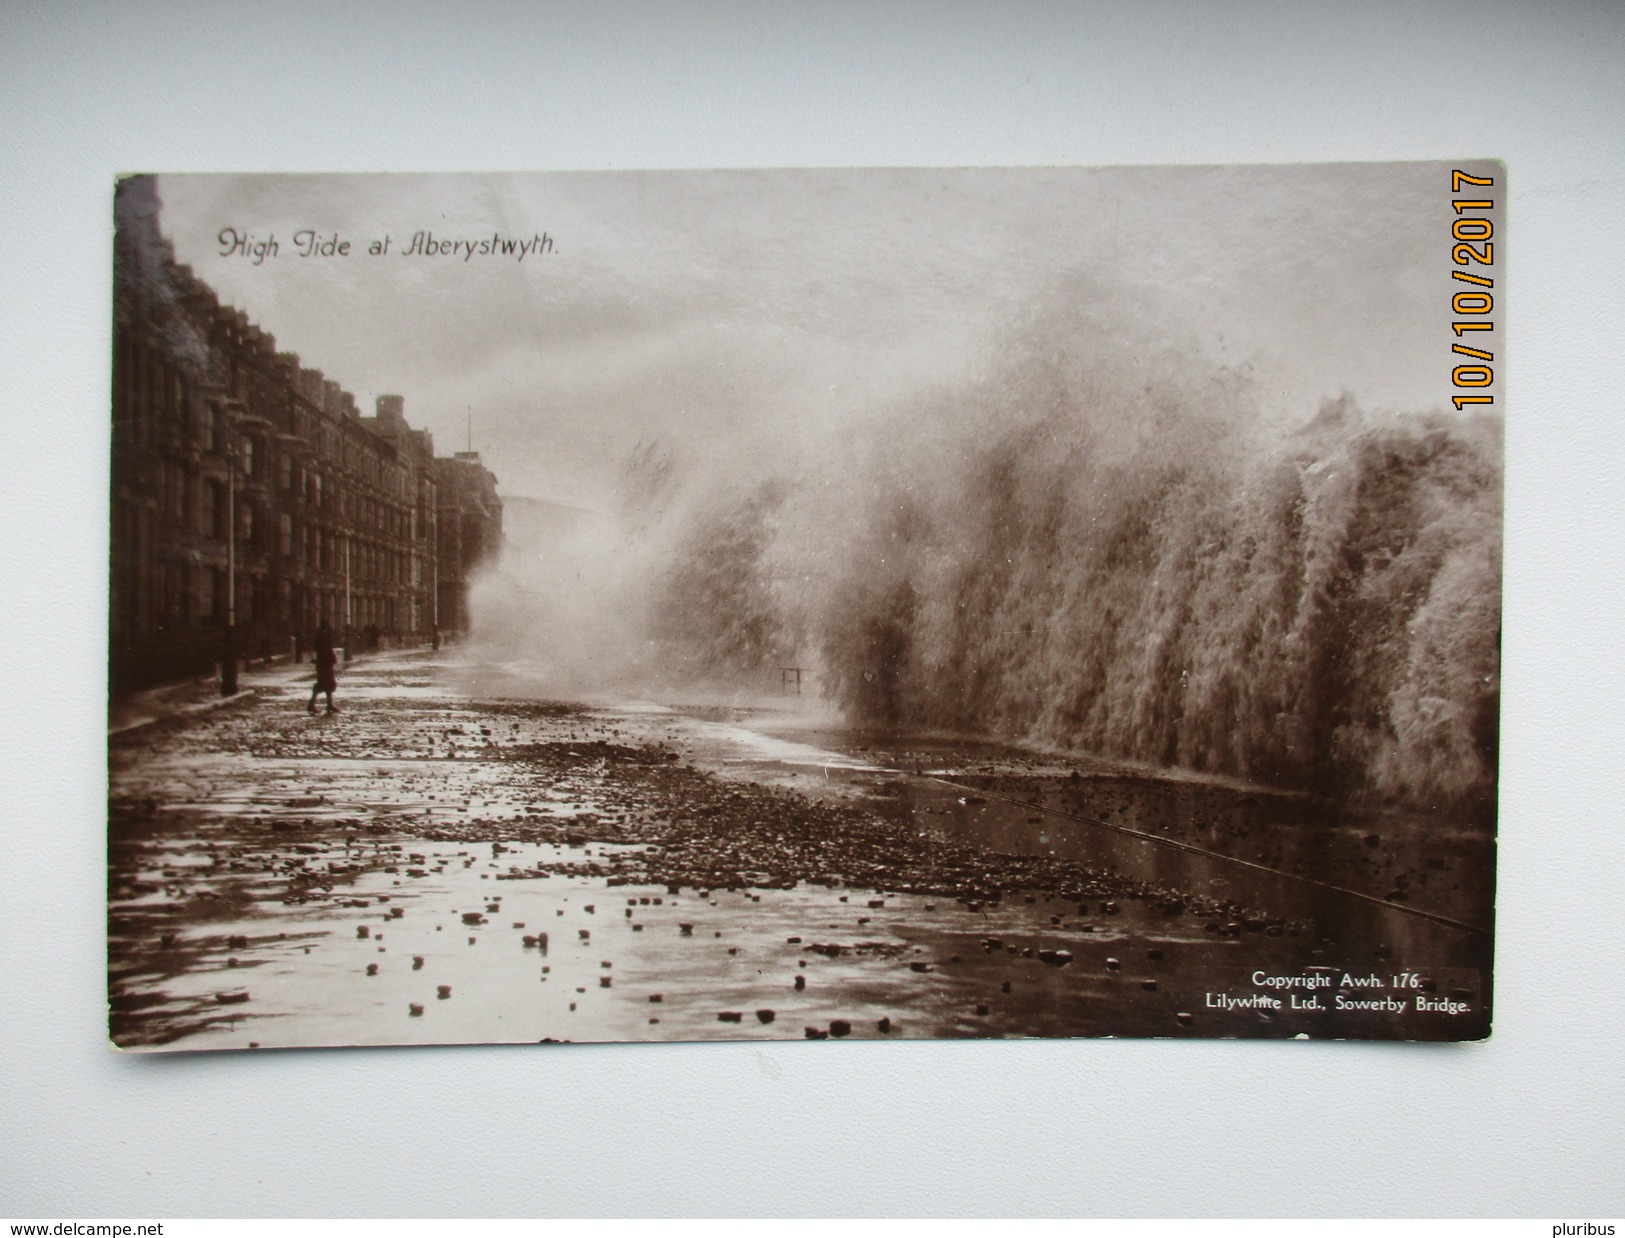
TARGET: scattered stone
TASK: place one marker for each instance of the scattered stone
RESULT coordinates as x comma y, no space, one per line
237,942
730,1016
884,1024
801,982
687,930
233,998
372,969
766,1016
363,931
417,962
814,1033
443,992
1113,965
840,1027
415,1009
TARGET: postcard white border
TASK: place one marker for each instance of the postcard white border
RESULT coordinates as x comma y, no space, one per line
1526,1124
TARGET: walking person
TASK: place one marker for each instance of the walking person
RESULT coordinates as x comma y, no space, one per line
327,662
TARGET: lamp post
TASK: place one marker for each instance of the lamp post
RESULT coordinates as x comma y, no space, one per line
349,617
434,563
228,654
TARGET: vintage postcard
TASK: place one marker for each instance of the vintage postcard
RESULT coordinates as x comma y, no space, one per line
821,604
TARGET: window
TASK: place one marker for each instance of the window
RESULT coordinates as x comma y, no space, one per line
174,476
217,593
216,514
285,544
285,477
174,592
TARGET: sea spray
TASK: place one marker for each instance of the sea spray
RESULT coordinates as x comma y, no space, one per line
1093,541
1097,546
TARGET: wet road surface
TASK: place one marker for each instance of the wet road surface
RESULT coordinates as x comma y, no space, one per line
446,861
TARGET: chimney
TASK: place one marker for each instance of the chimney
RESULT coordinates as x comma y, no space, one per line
392,413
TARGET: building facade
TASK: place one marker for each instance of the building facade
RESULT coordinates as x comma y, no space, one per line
251,501
470,532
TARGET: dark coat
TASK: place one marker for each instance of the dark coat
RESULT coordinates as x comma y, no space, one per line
327,661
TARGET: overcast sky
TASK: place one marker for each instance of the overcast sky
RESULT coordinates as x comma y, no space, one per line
714,309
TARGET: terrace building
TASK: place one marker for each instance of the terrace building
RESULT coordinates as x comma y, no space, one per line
251,501
470,531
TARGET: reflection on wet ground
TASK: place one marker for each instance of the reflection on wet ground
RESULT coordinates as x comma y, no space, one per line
429,866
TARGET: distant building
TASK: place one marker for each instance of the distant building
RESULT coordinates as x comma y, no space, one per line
470,531
250,495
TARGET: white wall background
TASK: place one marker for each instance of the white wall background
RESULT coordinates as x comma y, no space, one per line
1529,1123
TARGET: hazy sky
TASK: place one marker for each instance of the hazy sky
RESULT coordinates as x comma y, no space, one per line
728,311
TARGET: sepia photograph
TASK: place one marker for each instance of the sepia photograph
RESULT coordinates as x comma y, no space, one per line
826,604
